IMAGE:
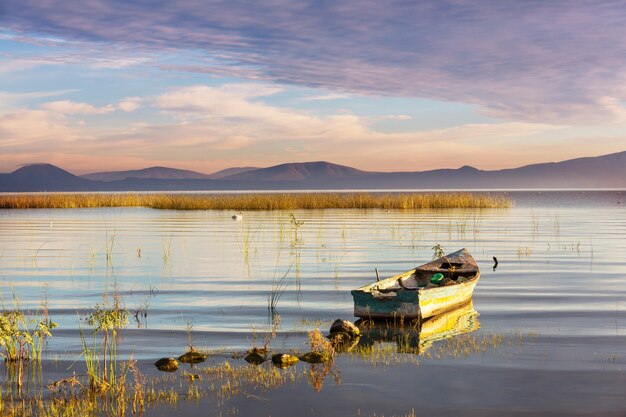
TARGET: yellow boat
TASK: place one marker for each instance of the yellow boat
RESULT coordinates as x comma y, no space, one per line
423,292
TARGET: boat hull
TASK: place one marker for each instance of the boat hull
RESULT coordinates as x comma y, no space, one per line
412,304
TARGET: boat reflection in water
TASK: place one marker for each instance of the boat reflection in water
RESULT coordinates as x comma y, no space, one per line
416,340
408,338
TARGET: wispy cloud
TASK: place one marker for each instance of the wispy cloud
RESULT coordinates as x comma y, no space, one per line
66,107
17,97
129,104
325,97
396,117
208,128
556,62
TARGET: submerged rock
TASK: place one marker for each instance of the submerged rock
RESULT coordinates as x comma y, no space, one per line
193,356
344,326
315,357
166,364
284,360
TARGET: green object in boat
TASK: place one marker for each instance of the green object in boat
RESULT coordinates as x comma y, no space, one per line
436,279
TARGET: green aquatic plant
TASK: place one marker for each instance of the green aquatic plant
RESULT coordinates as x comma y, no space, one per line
295,226
106,322
438,251
22,338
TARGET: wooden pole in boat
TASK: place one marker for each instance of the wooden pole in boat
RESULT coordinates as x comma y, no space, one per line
377,277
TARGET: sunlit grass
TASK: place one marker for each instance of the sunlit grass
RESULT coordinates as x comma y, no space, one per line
272,201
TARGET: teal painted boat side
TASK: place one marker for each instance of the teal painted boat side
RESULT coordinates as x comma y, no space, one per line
403,304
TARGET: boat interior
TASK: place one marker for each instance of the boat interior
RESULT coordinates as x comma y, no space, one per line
423,277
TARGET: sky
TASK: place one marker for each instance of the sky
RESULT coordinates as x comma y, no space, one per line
378,85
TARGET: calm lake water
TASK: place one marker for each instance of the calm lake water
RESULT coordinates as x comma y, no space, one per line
556,303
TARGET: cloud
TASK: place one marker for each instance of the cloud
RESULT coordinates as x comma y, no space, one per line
70,108
232,123
397,117
129,104
17,97
324,97
66,107
555,62
27,129
15,65
206,128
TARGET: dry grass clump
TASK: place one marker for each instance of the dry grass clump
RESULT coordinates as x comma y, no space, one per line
268,201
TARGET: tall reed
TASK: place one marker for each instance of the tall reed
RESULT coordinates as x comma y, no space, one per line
106,321
267,201
22,338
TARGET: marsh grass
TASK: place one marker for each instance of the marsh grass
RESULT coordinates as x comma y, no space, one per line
524,251
109,244
277,289
247,239
220,382
319,343
106,321
319,371
22,338
167,249
295,226
271,201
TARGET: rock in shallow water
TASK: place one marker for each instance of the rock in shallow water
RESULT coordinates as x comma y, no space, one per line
284,360
193,356
166,364
315,357
344,326
254,358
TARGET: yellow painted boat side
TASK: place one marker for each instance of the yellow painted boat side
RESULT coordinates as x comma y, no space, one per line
435,301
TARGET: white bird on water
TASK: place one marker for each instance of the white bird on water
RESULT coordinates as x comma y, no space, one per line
238,217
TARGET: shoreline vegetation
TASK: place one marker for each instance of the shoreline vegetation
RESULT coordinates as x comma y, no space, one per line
258,201
109,385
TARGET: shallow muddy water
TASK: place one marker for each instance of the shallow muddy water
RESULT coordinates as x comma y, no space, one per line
555,305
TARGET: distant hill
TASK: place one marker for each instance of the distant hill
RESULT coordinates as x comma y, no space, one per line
230,171
298,172
152,172
42,177
607,171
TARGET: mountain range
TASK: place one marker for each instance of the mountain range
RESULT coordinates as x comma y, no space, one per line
607,171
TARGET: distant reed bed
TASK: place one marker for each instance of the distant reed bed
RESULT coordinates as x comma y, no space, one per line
269,201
